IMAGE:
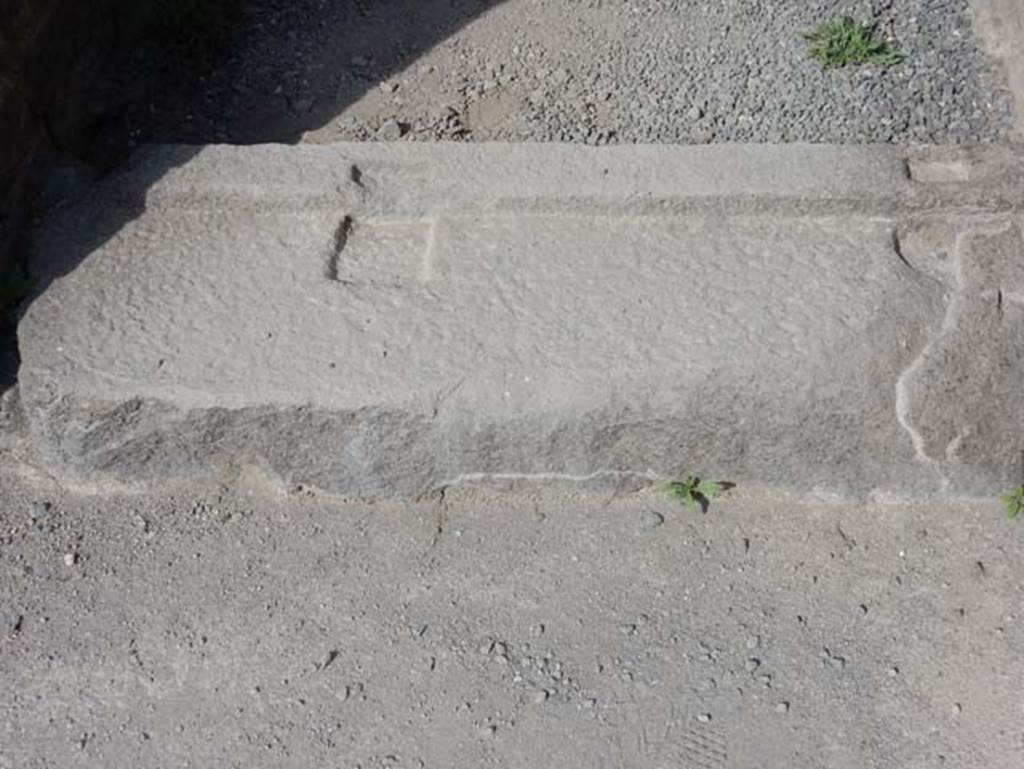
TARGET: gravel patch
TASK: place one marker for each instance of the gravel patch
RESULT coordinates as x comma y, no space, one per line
591,71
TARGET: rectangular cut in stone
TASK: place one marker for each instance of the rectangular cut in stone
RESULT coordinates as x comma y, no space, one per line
525,312
939,171
384,253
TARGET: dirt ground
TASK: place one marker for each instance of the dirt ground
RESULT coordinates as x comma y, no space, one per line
238,626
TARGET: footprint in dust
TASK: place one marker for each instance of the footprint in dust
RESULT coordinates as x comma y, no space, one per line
700,746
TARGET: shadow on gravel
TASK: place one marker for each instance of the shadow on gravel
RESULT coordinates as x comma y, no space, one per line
299,64
289,66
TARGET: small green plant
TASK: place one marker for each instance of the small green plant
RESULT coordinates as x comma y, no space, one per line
694,492
1013,502
844,41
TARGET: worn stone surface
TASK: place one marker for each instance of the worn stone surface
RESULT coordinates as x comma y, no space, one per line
390,319
963,397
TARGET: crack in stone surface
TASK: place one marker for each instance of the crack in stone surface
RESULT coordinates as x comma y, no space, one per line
948,363
903,395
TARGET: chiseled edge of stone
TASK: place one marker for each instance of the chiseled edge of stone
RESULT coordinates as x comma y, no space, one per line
485,175
406,178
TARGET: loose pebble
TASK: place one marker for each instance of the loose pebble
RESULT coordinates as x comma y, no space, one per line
390,130
488,730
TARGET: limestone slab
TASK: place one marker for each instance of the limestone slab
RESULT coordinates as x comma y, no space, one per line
389,319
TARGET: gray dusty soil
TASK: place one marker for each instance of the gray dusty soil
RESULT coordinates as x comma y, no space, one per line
239,627
594,71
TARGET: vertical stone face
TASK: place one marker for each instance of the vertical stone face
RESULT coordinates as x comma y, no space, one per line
54,54
22,131
999,25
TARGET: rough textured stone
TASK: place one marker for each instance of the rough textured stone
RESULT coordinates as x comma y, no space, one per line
999,25
376,319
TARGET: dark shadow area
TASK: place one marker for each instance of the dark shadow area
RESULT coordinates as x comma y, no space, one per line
218,71
296,65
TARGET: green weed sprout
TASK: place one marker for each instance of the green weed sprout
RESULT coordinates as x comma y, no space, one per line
694,492
1013,502
844,41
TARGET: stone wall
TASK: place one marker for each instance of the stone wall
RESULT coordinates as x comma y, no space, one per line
67,67
51,51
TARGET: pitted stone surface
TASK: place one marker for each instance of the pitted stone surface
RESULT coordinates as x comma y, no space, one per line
389,319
